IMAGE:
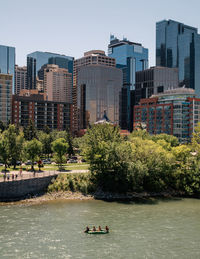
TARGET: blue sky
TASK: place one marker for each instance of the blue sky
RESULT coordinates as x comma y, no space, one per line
75,26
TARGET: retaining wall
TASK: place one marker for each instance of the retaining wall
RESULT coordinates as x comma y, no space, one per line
16,190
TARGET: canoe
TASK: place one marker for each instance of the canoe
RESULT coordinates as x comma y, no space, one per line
97,232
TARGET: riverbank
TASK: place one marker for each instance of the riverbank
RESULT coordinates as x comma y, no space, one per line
68,195
106,196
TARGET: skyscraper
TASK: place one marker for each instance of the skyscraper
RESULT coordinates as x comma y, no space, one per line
62,62
7,62
5,97
178,45
154,80
57,84
31,73
42,58
98,94
130,57
93,57
20,78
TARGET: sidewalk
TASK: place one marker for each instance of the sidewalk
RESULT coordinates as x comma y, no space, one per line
29,175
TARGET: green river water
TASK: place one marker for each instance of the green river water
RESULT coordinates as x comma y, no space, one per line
161,229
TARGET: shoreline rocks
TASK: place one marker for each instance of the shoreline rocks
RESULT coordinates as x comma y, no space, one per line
100,195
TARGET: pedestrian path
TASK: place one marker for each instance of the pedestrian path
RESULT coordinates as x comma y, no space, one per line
17,176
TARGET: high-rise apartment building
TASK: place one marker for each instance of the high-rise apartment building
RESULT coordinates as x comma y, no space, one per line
57,83
130,57
7,62
174,112
31,73
93,57
43,58
5,97
178,45
31,106
20,78
98,92
154,80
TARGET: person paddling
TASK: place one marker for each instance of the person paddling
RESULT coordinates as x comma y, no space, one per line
87,230
94,229
99,228
107,229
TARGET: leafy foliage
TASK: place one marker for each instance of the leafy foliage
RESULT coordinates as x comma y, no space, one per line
60,147
33,150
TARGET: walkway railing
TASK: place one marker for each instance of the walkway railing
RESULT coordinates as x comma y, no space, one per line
17,176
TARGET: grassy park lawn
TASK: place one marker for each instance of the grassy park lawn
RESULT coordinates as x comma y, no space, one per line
50,167
72,166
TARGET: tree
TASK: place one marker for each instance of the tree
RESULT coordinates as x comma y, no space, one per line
15,144
70,150
172,140
60,147
2,126
152,165
30,132
196,139
109,157
68,138
33,149
4,151
187,169
46,140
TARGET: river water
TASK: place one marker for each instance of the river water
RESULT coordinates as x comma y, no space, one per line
161,229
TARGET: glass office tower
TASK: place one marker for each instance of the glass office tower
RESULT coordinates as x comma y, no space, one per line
130,57
62,63
178,45
42,58
7,62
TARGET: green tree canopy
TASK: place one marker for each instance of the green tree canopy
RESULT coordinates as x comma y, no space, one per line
15,144
60,147
33,149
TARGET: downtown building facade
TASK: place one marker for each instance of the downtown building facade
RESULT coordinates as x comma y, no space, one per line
20,78
98,90
174,112
178,45
6,84
93,57
153,81
38,59
57,83
7,62
130,57
31,106
41,58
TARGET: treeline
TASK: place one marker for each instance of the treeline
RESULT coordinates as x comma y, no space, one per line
141,162
21,144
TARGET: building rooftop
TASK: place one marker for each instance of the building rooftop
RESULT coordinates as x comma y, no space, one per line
94,53
176,91
116,42
173,21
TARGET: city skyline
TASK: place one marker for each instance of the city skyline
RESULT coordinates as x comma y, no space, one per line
84,25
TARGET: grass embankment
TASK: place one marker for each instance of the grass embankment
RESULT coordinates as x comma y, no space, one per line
79,182
49,167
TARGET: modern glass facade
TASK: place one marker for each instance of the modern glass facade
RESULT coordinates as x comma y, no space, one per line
178,45
62,63
31,73
42,58
155,80
7,62
130,57
98,94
